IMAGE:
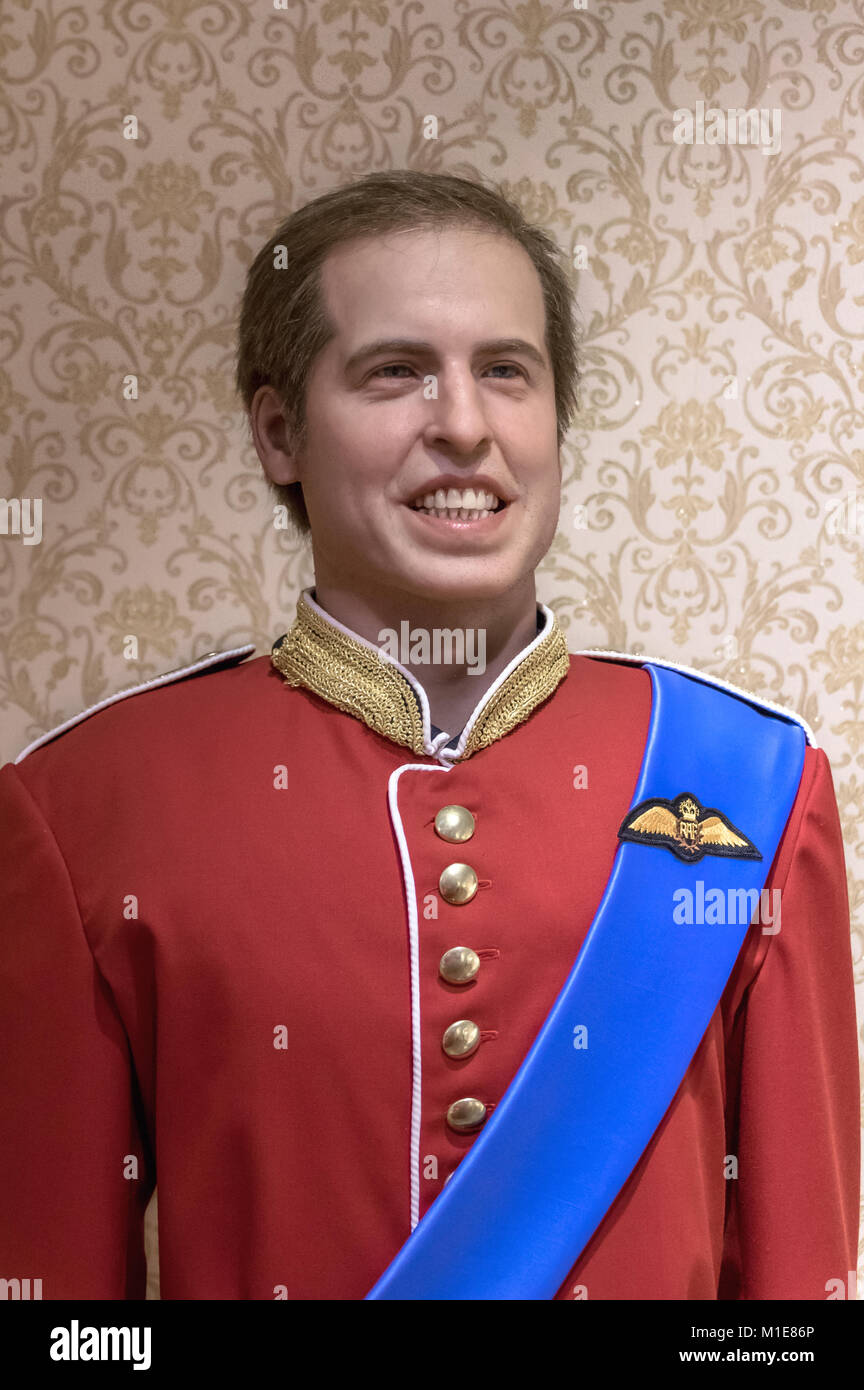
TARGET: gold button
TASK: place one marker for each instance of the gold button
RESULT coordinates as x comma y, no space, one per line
459,965
466,1114
458,883
455,824
461,1038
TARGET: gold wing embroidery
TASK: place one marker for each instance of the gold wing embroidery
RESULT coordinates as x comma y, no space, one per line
657,820
712,831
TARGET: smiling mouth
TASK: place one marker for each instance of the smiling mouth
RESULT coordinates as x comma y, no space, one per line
472,504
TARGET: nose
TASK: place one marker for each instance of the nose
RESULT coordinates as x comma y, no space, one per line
457,418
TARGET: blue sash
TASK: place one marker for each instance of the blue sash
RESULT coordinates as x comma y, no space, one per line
525,1200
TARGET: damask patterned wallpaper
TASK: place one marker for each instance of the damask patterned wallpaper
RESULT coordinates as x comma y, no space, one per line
714,506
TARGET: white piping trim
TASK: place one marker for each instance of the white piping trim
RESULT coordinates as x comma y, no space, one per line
438,743
414,950
453,753
709,679
211,659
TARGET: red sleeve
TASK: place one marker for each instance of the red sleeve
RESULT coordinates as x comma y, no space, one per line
792,1214
68,1215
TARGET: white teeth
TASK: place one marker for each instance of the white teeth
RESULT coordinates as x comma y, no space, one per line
453,504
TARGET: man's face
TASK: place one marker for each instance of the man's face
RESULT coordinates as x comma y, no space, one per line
381,436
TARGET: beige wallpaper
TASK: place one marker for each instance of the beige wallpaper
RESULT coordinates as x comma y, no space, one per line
714,508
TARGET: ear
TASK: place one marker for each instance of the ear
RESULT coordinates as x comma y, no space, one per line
274,446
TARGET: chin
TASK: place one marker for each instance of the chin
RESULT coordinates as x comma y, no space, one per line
462,584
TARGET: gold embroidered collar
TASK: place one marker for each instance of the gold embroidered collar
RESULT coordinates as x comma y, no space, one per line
325,657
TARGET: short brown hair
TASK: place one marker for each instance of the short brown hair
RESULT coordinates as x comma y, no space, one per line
283,325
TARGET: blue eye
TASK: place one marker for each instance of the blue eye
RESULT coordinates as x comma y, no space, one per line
508,366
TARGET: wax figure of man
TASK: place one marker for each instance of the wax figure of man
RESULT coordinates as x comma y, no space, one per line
283,931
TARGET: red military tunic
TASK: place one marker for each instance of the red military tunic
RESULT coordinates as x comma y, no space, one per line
220,935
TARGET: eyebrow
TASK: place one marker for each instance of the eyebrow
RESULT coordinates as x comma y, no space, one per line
419,346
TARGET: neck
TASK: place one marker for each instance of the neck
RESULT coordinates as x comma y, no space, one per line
489,633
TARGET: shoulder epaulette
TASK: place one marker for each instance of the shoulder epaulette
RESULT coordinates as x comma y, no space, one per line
770,705
209,662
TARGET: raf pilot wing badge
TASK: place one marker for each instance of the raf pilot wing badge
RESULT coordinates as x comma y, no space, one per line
687,828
